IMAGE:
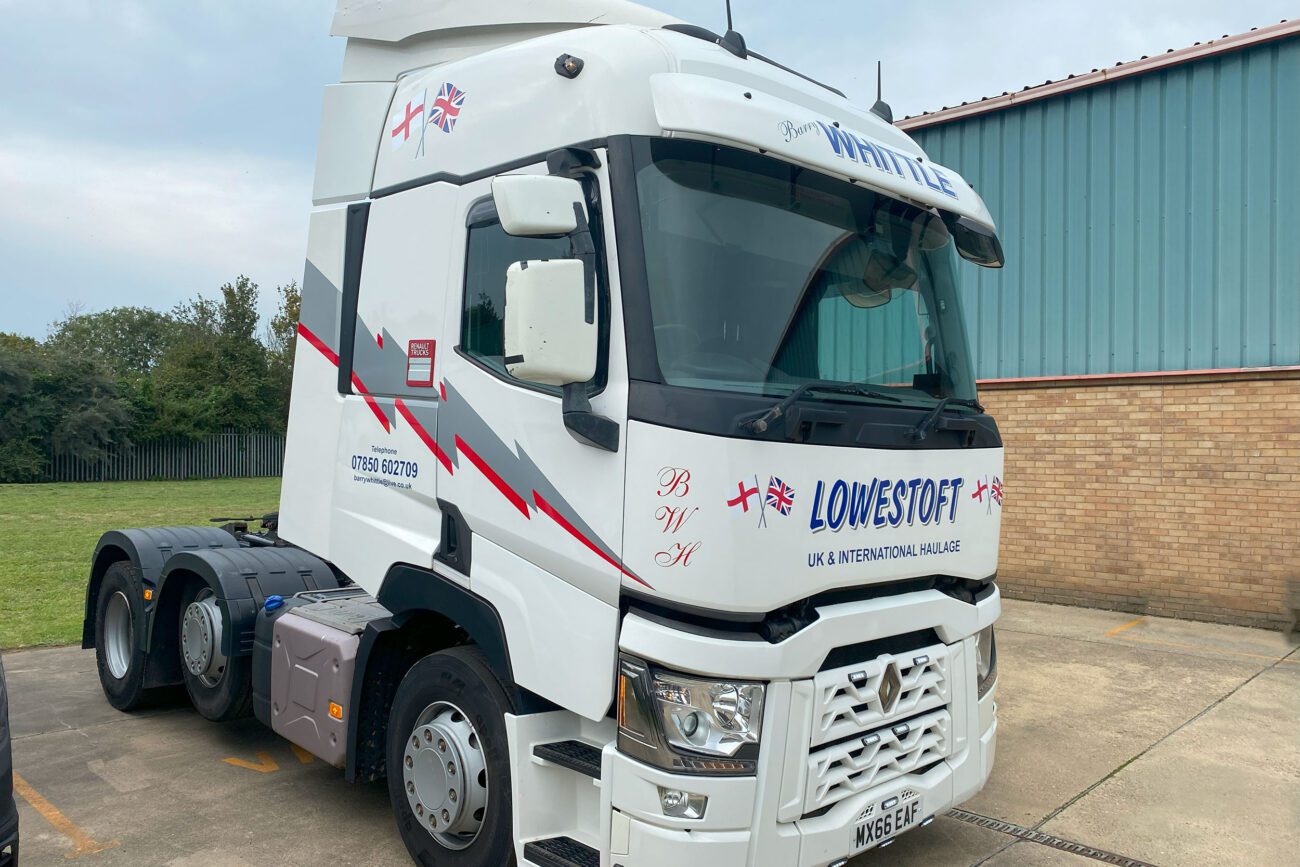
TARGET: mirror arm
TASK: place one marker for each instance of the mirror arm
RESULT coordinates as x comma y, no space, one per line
583,248
583,424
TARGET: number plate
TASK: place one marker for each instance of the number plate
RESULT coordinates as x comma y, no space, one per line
883,822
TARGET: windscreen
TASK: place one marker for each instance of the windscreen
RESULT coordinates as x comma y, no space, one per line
763,276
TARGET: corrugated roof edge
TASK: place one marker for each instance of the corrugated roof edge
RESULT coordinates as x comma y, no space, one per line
1172,57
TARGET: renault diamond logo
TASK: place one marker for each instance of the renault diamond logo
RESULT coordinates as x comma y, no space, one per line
891,686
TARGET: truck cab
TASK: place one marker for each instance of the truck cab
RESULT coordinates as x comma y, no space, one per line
634,420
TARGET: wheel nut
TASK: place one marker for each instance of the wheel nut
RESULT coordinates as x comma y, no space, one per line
433,820
428,736
419,809
409,763
442,745
451,768
415,742
446,817
410,787
451,795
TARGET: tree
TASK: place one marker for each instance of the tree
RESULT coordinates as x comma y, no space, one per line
50,401
217,376
128,340
281,342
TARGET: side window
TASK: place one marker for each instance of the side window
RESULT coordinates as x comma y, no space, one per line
490,252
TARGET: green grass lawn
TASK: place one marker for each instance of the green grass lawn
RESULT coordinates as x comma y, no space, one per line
48,533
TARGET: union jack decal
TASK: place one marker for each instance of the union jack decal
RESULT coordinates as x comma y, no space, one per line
446,107
780,496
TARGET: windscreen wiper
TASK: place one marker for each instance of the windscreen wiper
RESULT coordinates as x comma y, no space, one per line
763,422
926,426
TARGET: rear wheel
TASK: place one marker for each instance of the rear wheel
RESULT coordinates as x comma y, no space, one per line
449,762
117,656
220,687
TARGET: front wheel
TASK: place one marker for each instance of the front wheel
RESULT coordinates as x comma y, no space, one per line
449,762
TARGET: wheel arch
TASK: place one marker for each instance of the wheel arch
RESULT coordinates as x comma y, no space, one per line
428,612
147,549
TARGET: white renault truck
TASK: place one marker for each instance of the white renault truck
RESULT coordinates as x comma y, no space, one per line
638,508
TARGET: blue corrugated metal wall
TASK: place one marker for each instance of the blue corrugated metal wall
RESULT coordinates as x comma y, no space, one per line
1150,224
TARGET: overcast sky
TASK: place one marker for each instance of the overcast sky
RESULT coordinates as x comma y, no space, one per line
152,149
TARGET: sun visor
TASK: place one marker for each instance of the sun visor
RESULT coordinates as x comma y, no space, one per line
891,163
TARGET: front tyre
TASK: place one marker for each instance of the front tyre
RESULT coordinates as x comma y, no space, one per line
220,687
449,762
117,654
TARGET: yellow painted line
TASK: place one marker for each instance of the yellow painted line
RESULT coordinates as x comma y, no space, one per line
264,764
303,756
1209,649
1111,633
82,844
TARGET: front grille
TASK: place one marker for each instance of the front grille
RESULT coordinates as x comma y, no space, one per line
845,705
870,727
846,768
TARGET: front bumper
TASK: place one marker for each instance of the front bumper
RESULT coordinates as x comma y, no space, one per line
795,811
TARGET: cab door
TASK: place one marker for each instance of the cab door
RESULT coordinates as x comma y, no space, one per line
533,494
386,505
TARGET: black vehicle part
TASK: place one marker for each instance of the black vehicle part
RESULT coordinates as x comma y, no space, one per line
779,624
146,550
462,678
228,693
455,544
241,578
429,613
8,809
561,852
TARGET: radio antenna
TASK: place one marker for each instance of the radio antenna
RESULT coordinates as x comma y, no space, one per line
729,27
881,109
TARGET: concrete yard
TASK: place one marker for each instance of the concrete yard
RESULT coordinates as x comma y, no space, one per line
1161,741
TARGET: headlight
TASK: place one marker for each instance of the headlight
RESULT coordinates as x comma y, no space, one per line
688,724
986,661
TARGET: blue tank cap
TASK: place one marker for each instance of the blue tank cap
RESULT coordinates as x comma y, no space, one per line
273,602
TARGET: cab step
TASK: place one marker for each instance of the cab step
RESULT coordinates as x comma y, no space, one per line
574,755
561,851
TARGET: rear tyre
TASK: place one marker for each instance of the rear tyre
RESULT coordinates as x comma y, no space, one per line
449,762
220,687
117,654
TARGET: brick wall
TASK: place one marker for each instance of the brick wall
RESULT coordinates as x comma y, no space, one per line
1168,495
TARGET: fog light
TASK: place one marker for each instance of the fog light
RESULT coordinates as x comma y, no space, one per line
682,805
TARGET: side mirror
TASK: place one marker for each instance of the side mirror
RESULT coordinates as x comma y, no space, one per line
975,243
550,334
531,205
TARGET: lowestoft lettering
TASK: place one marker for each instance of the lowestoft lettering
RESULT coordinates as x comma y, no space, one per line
883,503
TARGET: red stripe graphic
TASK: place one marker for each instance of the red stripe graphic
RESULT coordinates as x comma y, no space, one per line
423,434
356,380
506,491
573,531
315,341
370,401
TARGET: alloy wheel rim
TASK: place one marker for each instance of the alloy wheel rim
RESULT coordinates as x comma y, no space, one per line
444,775
119,634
